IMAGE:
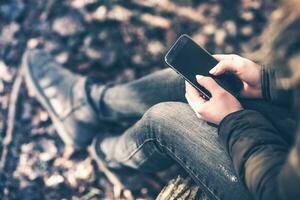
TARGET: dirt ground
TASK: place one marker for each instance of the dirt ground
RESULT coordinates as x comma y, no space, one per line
113,41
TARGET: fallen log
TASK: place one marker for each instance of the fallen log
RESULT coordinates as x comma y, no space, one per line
181,188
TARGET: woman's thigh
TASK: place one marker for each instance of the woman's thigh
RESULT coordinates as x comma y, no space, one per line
195,146
171,131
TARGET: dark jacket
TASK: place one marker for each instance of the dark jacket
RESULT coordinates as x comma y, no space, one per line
262,143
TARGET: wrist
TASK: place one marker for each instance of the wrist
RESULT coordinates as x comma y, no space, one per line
230,114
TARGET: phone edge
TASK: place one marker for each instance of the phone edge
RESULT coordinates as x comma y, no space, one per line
166,61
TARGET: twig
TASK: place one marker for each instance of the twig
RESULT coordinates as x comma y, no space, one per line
13,100
118,186
179,188
169,6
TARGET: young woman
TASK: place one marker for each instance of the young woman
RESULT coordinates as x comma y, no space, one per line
245,157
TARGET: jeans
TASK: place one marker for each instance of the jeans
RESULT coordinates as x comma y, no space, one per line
166,131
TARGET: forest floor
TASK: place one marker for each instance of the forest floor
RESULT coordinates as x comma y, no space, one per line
113,41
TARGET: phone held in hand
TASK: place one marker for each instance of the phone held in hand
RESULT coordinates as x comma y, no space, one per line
188,59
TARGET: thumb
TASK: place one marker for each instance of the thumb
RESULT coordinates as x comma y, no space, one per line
208,83
224,66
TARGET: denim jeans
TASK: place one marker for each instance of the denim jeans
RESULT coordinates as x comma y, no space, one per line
166,131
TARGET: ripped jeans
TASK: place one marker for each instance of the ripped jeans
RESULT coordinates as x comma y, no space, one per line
166,131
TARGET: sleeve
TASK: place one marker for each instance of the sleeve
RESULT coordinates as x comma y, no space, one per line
289,176
271,90
260,156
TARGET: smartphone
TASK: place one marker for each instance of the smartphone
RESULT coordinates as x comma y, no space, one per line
188,59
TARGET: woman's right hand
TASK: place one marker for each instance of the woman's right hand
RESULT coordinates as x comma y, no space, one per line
248,71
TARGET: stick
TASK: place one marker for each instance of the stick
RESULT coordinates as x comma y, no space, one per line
13,100
168,6
179,188
118,186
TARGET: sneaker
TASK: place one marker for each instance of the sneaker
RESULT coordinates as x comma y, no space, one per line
65,97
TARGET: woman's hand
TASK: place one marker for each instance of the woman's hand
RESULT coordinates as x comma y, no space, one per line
248,71
221,104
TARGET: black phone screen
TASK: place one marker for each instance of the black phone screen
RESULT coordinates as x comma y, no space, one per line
189,59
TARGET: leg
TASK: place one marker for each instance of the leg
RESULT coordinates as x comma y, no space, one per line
76,106
171,132
131,100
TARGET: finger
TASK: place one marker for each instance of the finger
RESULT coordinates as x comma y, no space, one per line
208,83
193,106
193,93
224,66
220,57
194,97
191,90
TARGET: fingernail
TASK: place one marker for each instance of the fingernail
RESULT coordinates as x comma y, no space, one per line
212,71
199,76
187,97
199,116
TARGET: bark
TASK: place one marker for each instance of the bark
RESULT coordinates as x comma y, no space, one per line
181,188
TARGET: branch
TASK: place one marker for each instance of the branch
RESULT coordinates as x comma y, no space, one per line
13,100
117,185
180,188
169,6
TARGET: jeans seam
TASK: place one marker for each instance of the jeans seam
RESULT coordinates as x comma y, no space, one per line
147,157
172,153
136,150
189,168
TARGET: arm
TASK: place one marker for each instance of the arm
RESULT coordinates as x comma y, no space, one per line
258,152
259,82
260,155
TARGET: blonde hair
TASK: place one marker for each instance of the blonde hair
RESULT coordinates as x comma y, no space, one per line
280,43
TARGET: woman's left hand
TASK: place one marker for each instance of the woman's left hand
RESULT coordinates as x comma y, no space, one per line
214,110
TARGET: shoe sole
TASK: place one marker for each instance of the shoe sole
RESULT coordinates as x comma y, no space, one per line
40,96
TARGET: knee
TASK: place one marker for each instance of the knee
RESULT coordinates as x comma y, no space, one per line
166,116
161,112
170,73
